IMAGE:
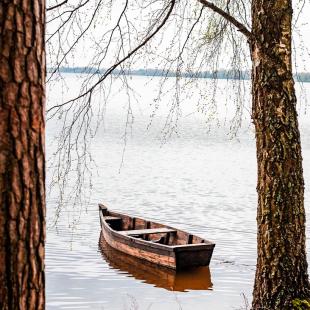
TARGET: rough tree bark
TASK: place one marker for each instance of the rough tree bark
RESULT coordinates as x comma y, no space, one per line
281,273
22,167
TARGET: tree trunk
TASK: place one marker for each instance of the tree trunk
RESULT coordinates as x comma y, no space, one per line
22,167
281,274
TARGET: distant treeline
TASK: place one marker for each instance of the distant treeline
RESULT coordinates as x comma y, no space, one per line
220,74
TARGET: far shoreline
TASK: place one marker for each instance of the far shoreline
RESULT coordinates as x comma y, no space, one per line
303,77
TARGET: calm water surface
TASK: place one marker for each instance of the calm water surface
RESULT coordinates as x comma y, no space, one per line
198,181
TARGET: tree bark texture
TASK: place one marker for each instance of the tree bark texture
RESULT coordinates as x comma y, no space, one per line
281,274
22,167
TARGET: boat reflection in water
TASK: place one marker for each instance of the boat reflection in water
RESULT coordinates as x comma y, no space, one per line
198,278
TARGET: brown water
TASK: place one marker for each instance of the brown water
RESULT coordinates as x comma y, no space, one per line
200,182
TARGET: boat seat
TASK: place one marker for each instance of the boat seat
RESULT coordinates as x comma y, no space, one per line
148,231
111,218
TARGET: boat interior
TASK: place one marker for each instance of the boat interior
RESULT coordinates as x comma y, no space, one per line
149,231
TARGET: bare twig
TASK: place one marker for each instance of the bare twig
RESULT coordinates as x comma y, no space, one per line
57,5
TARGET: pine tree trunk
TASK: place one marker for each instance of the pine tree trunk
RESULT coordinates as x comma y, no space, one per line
281,274
22,167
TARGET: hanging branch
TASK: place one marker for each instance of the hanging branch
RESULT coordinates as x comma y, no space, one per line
112,68
57,5
242,28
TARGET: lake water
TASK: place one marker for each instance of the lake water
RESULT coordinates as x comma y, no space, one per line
199,180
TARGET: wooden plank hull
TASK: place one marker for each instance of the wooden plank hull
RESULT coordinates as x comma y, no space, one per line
175,254
127,245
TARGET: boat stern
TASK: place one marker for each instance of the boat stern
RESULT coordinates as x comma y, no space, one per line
193,256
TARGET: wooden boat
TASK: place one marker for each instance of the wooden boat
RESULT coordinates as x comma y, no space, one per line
154,242
196,278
